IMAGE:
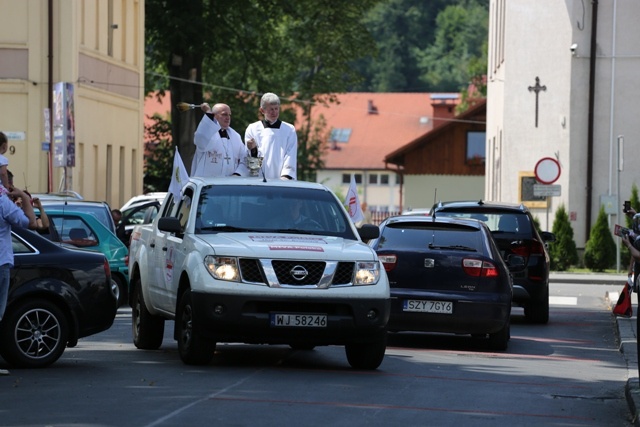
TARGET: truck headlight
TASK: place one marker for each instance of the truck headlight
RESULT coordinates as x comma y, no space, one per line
223,268
367,273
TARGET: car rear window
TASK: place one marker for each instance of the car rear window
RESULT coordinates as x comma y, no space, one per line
512,223
416,236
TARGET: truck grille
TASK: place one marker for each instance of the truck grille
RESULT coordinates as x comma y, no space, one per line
296,273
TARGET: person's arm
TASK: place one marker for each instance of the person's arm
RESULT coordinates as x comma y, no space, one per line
4,177
26,206
44,218
635,253
290,160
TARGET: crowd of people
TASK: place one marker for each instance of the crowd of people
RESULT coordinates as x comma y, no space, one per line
220,150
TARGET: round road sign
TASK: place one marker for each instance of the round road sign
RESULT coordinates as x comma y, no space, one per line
547,170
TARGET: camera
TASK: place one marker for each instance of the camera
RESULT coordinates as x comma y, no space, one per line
627,206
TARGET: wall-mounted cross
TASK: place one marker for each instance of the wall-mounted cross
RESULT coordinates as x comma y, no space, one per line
537,88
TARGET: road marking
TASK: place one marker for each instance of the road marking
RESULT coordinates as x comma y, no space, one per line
563,300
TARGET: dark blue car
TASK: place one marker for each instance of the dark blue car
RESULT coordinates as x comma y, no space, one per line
446,275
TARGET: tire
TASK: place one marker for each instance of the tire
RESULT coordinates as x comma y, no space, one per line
500,340
193,348
538,311
148,330
123,292
34,334
366,356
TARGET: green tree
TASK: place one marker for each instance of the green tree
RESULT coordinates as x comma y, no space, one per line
400,29
161,152
600,251
248,47
563,252
460,38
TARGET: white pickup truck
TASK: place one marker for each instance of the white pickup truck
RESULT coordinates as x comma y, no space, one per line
250,261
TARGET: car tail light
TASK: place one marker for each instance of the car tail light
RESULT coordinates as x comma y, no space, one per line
389,261
107,269
478,268
537,248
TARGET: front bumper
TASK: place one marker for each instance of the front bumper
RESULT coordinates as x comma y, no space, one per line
245,318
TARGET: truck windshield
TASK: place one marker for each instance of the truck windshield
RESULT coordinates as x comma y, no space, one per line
228,208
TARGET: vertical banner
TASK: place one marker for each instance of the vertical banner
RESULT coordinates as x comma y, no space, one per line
63,125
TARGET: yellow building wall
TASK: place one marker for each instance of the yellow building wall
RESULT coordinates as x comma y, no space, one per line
98,46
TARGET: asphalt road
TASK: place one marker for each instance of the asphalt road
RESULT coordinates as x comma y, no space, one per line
568,372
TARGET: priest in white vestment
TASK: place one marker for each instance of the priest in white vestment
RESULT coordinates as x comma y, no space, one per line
219,148
274,140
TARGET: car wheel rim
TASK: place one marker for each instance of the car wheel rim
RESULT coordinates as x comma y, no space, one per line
37,333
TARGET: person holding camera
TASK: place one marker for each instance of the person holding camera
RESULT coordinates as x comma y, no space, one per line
631,239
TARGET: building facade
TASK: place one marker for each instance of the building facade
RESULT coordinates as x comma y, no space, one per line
561,86
95,50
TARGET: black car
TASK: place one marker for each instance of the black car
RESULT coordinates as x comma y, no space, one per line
515,233
446,275
57,295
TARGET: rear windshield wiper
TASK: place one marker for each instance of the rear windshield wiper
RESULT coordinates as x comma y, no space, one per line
452,247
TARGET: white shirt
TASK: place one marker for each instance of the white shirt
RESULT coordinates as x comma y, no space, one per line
217,156
279,147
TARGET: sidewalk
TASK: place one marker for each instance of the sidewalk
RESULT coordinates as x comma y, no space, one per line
626,329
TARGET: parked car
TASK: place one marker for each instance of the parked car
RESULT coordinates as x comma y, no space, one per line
144,198
142,212
100,210
446,275
57,295
83,230
61,195
515,233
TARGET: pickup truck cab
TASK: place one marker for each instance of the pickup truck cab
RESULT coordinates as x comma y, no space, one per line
250,261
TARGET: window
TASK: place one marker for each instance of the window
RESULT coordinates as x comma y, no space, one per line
476,153
384,179
346,178
340,135
373,178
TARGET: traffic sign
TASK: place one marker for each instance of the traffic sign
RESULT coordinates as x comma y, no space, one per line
542,190
547,170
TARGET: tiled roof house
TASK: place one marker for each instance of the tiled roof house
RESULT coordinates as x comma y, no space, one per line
364,128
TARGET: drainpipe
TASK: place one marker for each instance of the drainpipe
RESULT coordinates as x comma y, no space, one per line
50,97
592,86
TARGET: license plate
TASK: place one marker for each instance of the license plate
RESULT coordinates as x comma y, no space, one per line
424,306
298,320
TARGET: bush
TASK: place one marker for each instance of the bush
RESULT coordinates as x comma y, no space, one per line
563,252
600,251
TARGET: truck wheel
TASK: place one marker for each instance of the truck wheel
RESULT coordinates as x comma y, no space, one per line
500,340
34,334
366,355
538,311
148,330
193,348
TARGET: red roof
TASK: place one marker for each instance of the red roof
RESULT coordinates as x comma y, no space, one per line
399,118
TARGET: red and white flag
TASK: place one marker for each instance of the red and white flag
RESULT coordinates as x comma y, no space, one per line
353,202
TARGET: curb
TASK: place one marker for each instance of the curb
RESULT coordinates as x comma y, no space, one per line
626,335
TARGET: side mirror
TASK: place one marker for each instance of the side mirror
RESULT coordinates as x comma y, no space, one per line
547,236
368,232
170,225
